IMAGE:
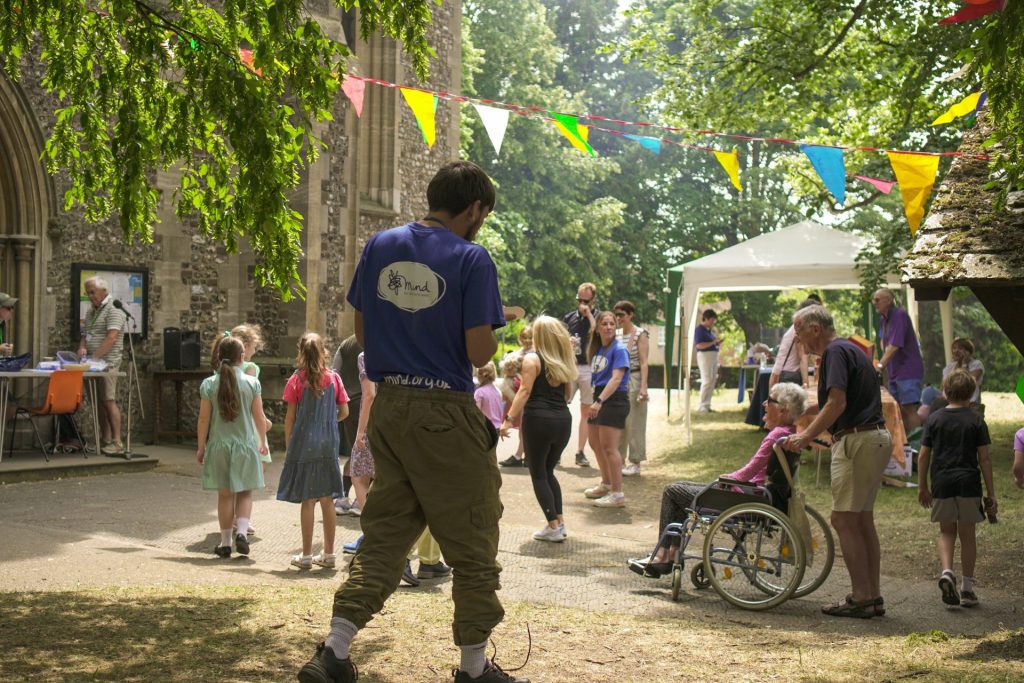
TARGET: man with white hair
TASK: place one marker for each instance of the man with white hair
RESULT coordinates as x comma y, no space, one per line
103,339
850,408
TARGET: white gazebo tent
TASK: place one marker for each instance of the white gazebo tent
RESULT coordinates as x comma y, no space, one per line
803,255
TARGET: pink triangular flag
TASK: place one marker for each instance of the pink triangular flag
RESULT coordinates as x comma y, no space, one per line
354,87
883,186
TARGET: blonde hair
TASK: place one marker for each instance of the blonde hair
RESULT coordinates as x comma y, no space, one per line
312,359
512,365
249,334
551,342
486,374
526,336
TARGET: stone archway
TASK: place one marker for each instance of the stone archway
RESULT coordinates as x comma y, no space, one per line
26,205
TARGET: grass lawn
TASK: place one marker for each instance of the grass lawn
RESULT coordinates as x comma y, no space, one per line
217,633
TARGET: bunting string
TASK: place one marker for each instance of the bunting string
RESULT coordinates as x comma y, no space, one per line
546,115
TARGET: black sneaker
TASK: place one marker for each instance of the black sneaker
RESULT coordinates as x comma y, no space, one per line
222,551
513,461
492,674
581,459
241,544
433,571
325,667
408,576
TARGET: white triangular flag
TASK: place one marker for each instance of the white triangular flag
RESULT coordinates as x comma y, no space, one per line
495,122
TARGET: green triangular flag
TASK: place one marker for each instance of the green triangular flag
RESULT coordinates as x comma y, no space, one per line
569,126
1020,388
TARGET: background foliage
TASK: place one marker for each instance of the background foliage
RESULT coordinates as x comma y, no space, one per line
143,87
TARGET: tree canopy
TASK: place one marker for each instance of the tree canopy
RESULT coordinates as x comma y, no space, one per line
146,86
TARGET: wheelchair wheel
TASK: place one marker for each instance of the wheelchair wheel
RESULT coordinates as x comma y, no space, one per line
752,556
818,564
697,577
677,581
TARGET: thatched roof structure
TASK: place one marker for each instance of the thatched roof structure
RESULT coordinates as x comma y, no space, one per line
967,239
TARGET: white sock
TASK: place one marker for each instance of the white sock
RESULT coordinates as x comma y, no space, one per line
340,637
474,658
967,584
225,537
243,525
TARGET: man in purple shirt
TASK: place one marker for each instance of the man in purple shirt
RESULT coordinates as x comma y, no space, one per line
901,356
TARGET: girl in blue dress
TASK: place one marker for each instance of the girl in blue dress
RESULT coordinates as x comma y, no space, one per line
317,401
231,440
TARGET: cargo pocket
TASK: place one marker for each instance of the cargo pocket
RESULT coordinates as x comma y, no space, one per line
486,515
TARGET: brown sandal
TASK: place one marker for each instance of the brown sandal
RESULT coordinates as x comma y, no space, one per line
879,604
849,608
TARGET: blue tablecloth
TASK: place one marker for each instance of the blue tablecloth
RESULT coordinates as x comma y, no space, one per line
755,413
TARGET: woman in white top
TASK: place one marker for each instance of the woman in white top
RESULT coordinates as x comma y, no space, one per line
963,358
791,360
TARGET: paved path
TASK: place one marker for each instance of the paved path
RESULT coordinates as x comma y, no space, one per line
158,527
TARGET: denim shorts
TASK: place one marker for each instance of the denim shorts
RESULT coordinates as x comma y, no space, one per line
905,391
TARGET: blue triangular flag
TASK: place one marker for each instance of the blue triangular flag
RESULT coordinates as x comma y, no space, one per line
653,144
828,162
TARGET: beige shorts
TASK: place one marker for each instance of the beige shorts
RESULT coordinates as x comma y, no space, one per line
106,389
957,509
582,383
858,461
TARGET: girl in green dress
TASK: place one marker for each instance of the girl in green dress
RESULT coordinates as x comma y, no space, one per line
232,437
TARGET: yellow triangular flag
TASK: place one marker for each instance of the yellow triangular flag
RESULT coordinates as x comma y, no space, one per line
961,108
916,176
730,161
569,126
423,105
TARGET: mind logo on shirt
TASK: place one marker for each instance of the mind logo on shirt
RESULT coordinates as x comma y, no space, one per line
411,286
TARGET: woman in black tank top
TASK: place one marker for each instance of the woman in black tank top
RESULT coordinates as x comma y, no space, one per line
546,422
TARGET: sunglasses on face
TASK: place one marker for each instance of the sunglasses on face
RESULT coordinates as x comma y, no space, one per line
620,314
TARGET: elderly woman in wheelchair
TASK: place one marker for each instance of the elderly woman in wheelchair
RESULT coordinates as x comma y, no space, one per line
743,517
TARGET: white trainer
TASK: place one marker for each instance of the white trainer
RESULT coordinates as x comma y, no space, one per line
551,535
616,499
631,470
597,491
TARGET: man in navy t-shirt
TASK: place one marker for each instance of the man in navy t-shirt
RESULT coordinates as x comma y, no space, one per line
426,305
850,408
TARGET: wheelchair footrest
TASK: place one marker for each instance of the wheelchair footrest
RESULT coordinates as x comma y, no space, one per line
648,570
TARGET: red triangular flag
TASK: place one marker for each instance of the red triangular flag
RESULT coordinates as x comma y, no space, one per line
974,11
354,87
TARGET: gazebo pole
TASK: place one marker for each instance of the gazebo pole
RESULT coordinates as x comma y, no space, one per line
946,313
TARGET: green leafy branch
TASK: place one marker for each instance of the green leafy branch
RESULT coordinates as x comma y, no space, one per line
146,87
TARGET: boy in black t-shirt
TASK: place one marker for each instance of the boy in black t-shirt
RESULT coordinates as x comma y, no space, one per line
953,447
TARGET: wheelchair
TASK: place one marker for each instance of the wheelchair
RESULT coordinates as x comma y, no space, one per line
753,555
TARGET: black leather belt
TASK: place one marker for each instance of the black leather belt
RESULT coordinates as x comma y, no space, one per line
854,430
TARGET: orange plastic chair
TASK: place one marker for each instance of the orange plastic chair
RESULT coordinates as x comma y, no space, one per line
63,397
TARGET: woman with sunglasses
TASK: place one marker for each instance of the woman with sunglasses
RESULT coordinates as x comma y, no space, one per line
785,403
637,341
609,367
